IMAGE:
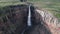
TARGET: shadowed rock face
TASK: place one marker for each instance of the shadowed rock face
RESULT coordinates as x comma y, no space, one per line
38,25
16,21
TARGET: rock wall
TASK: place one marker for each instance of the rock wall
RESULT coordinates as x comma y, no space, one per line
51,21
15,21
38,25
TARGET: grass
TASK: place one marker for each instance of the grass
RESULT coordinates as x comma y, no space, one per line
51,5
3,4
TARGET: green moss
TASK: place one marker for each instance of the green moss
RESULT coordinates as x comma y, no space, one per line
58,15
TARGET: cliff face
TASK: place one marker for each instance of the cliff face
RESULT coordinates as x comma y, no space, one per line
15,21
51,22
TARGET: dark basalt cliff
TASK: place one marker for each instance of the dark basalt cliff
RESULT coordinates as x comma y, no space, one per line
15,21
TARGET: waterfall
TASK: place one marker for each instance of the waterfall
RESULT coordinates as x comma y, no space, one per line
28,20
29,17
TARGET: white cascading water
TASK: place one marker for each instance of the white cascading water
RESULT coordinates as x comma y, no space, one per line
29,17
28,21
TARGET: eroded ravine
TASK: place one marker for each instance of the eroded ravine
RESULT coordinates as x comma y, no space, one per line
16,21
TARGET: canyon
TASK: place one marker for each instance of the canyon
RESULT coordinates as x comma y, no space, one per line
15,21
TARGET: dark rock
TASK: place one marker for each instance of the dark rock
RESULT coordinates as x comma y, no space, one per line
17,21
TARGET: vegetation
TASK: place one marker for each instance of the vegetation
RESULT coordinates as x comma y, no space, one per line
51,5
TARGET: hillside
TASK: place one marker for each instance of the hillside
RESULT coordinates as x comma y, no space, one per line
45,17
51,5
